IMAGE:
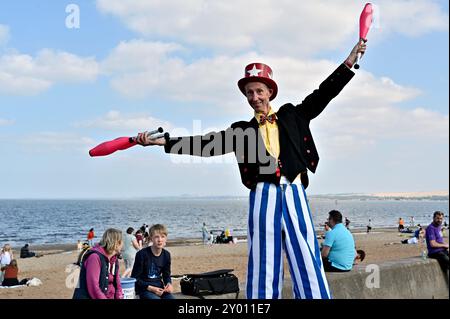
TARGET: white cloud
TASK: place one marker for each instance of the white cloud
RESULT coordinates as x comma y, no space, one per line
4,122
55,141
4,34
213,80
133,55
412,18
288,26
364,114
23,74
348,130
116,121
141,69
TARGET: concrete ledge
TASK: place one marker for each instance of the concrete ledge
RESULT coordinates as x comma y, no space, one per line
410,278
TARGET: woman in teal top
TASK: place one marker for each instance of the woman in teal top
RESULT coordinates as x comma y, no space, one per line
130,248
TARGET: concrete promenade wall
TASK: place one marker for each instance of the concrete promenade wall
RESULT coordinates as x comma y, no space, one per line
410,278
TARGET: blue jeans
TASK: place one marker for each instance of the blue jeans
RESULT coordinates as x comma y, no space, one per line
151,295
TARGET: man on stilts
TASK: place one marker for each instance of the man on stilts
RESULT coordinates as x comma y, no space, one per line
274,151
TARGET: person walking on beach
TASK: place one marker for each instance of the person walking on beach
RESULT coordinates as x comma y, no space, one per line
338,250
347,223
437,248
274,151
369,226
90,237
411,222
152,267
130,248
401,224
139,238
211,238
205,234
99,273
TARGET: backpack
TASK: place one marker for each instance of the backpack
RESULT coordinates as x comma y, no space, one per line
216,282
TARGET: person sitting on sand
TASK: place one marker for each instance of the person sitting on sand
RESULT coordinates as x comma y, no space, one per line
79,246
84,249
10,276
407,231
228,236
26,253
419,233
220,239
6,255
418,237
99,273
338,251
152,267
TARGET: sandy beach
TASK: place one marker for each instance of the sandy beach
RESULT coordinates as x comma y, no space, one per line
53,269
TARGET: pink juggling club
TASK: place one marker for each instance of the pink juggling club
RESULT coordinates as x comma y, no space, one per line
122,143
365,21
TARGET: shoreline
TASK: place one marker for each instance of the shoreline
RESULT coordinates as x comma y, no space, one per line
68,247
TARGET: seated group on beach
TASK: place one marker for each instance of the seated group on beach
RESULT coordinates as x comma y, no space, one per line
150,266
9,268
418,237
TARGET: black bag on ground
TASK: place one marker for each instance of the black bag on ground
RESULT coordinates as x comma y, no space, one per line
216,282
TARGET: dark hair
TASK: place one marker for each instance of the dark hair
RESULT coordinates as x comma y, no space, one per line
336,216
436,213
92,229
362,254
13,263
130,230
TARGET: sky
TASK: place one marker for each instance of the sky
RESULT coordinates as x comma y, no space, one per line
74,74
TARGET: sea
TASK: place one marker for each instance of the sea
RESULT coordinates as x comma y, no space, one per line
67,221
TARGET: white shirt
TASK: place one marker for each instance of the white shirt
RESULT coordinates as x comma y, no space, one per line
5,258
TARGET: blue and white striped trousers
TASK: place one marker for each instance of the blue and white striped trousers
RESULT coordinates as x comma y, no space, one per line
279,218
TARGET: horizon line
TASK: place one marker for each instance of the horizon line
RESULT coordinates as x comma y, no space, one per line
373,194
